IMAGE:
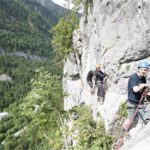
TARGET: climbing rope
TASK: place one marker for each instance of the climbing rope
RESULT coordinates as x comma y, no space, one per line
117,145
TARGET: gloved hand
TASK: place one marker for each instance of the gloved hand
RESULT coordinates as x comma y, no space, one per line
92,91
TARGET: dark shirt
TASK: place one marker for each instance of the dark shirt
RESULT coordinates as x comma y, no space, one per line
135,80
89,76
98,74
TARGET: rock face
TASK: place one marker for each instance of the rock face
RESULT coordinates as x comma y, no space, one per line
4,77
116,34
140,141
3,114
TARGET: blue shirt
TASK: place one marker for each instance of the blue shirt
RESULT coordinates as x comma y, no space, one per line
135,80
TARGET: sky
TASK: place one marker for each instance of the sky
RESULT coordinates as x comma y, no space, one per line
60,2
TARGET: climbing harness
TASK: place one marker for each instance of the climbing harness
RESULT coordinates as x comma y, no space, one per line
117,145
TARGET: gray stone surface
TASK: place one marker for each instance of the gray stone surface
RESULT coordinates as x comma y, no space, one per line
4,77
117,35
3,114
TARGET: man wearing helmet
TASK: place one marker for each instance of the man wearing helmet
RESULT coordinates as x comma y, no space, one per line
136,86
98,76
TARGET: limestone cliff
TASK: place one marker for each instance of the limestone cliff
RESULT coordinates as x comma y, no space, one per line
116,34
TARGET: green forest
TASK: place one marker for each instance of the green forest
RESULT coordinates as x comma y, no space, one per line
24,27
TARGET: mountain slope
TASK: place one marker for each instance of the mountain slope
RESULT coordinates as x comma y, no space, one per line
24,29
24,26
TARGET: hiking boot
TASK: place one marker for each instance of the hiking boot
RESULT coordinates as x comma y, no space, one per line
117,145
127,137
100,99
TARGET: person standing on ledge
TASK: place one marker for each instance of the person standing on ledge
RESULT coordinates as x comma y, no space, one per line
96,78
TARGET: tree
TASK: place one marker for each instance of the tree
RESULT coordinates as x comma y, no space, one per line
40,107
63,34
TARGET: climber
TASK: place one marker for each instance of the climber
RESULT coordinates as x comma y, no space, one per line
96,78
137,91
136,86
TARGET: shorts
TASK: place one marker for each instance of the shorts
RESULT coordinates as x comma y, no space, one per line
133,114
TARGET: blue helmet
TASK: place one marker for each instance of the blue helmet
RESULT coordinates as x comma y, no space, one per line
143,64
